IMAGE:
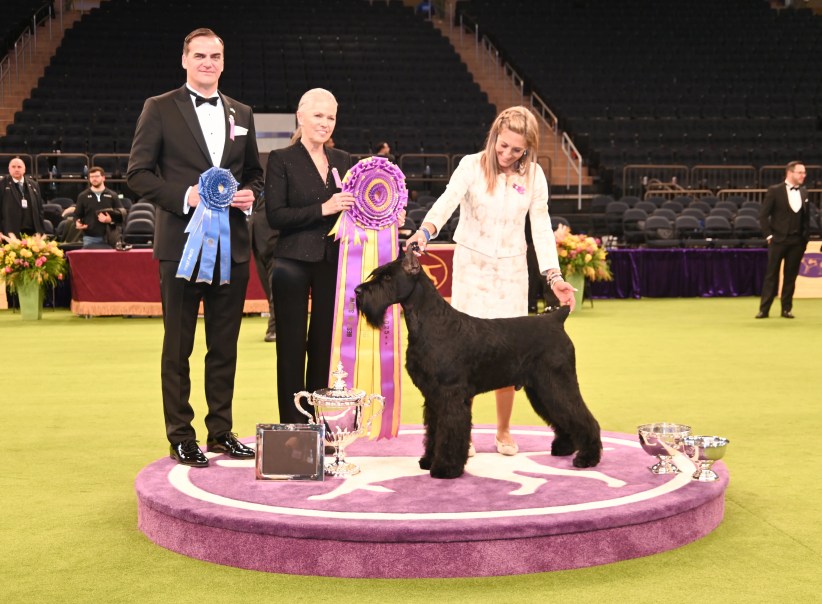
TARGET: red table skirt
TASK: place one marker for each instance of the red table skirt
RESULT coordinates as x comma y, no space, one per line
108,282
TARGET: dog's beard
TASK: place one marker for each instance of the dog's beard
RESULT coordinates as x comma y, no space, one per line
374,313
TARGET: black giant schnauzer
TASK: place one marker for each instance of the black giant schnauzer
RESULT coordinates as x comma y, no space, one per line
453,356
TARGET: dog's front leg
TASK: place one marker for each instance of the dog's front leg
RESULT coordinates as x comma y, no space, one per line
453,434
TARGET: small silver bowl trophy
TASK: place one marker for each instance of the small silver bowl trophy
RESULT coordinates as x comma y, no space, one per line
666,440
704,451
342,412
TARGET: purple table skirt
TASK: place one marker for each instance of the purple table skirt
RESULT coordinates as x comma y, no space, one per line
683,273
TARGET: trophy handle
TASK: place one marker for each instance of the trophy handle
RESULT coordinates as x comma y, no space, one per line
376,411
306,396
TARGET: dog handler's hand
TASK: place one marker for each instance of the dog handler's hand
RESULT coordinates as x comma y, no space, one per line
564,291
417,238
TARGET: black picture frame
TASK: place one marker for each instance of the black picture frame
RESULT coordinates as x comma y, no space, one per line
290,452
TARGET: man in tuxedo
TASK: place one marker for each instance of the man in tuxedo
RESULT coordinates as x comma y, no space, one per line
21,204
180,135
785,221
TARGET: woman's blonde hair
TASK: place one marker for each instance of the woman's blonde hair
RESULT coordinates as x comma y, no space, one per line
518,120
315,92
306,98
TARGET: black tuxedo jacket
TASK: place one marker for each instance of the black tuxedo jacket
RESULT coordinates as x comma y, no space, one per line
168,155
11,208
294,194
776,213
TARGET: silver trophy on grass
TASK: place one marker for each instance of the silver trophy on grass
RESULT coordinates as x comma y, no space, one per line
663,440
342,412
704,451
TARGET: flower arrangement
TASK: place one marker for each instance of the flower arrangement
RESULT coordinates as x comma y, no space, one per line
582,255
32,259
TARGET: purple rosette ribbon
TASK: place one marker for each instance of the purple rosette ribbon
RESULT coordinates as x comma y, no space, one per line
209,228
368,235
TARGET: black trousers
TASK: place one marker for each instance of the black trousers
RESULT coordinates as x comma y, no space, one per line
303,350
791,251
263,238
223,313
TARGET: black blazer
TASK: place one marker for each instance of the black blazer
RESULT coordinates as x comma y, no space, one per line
169,153
294,194
776,213
11,209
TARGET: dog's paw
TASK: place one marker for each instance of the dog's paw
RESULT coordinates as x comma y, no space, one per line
561,448
425,463
586,461
446,472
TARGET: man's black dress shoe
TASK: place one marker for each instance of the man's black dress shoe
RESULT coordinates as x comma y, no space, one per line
228,444
787,314
270,336
189,454
761,315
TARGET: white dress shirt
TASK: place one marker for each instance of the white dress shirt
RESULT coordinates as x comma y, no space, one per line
794,197
212,123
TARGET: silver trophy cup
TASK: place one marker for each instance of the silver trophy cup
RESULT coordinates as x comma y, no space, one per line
342,411
663,440
704,451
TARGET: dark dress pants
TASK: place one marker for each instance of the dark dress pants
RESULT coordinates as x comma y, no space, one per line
223,313
263,239
791,251
294,280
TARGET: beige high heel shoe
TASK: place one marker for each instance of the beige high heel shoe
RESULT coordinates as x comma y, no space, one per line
506,448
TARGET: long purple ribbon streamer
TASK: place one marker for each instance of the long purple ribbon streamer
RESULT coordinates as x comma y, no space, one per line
385,254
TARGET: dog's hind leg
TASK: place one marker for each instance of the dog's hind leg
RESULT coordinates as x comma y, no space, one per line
562,444
429,418
559,402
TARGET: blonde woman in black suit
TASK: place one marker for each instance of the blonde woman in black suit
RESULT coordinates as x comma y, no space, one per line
303,203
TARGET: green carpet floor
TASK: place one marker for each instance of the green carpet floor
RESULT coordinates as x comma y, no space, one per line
81,415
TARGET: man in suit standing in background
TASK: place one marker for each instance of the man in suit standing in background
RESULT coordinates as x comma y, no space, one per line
180,135
785,221
21,204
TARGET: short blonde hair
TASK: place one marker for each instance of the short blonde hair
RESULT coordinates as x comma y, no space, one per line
521,121
313,93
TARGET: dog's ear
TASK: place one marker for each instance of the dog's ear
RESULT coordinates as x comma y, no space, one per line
411,264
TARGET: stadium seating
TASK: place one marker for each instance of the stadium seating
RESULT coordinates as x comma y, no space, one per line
649,81
396,78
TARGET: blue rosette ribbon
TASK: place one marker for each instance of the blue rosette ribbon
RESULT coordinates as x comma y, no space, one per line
209,228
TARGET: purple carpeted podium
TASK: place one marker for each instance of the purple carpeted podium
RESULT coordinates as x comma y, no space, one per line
507,515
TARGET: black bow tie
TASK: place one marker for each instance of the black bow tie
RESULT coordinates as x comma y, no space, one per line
198,100
794,188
